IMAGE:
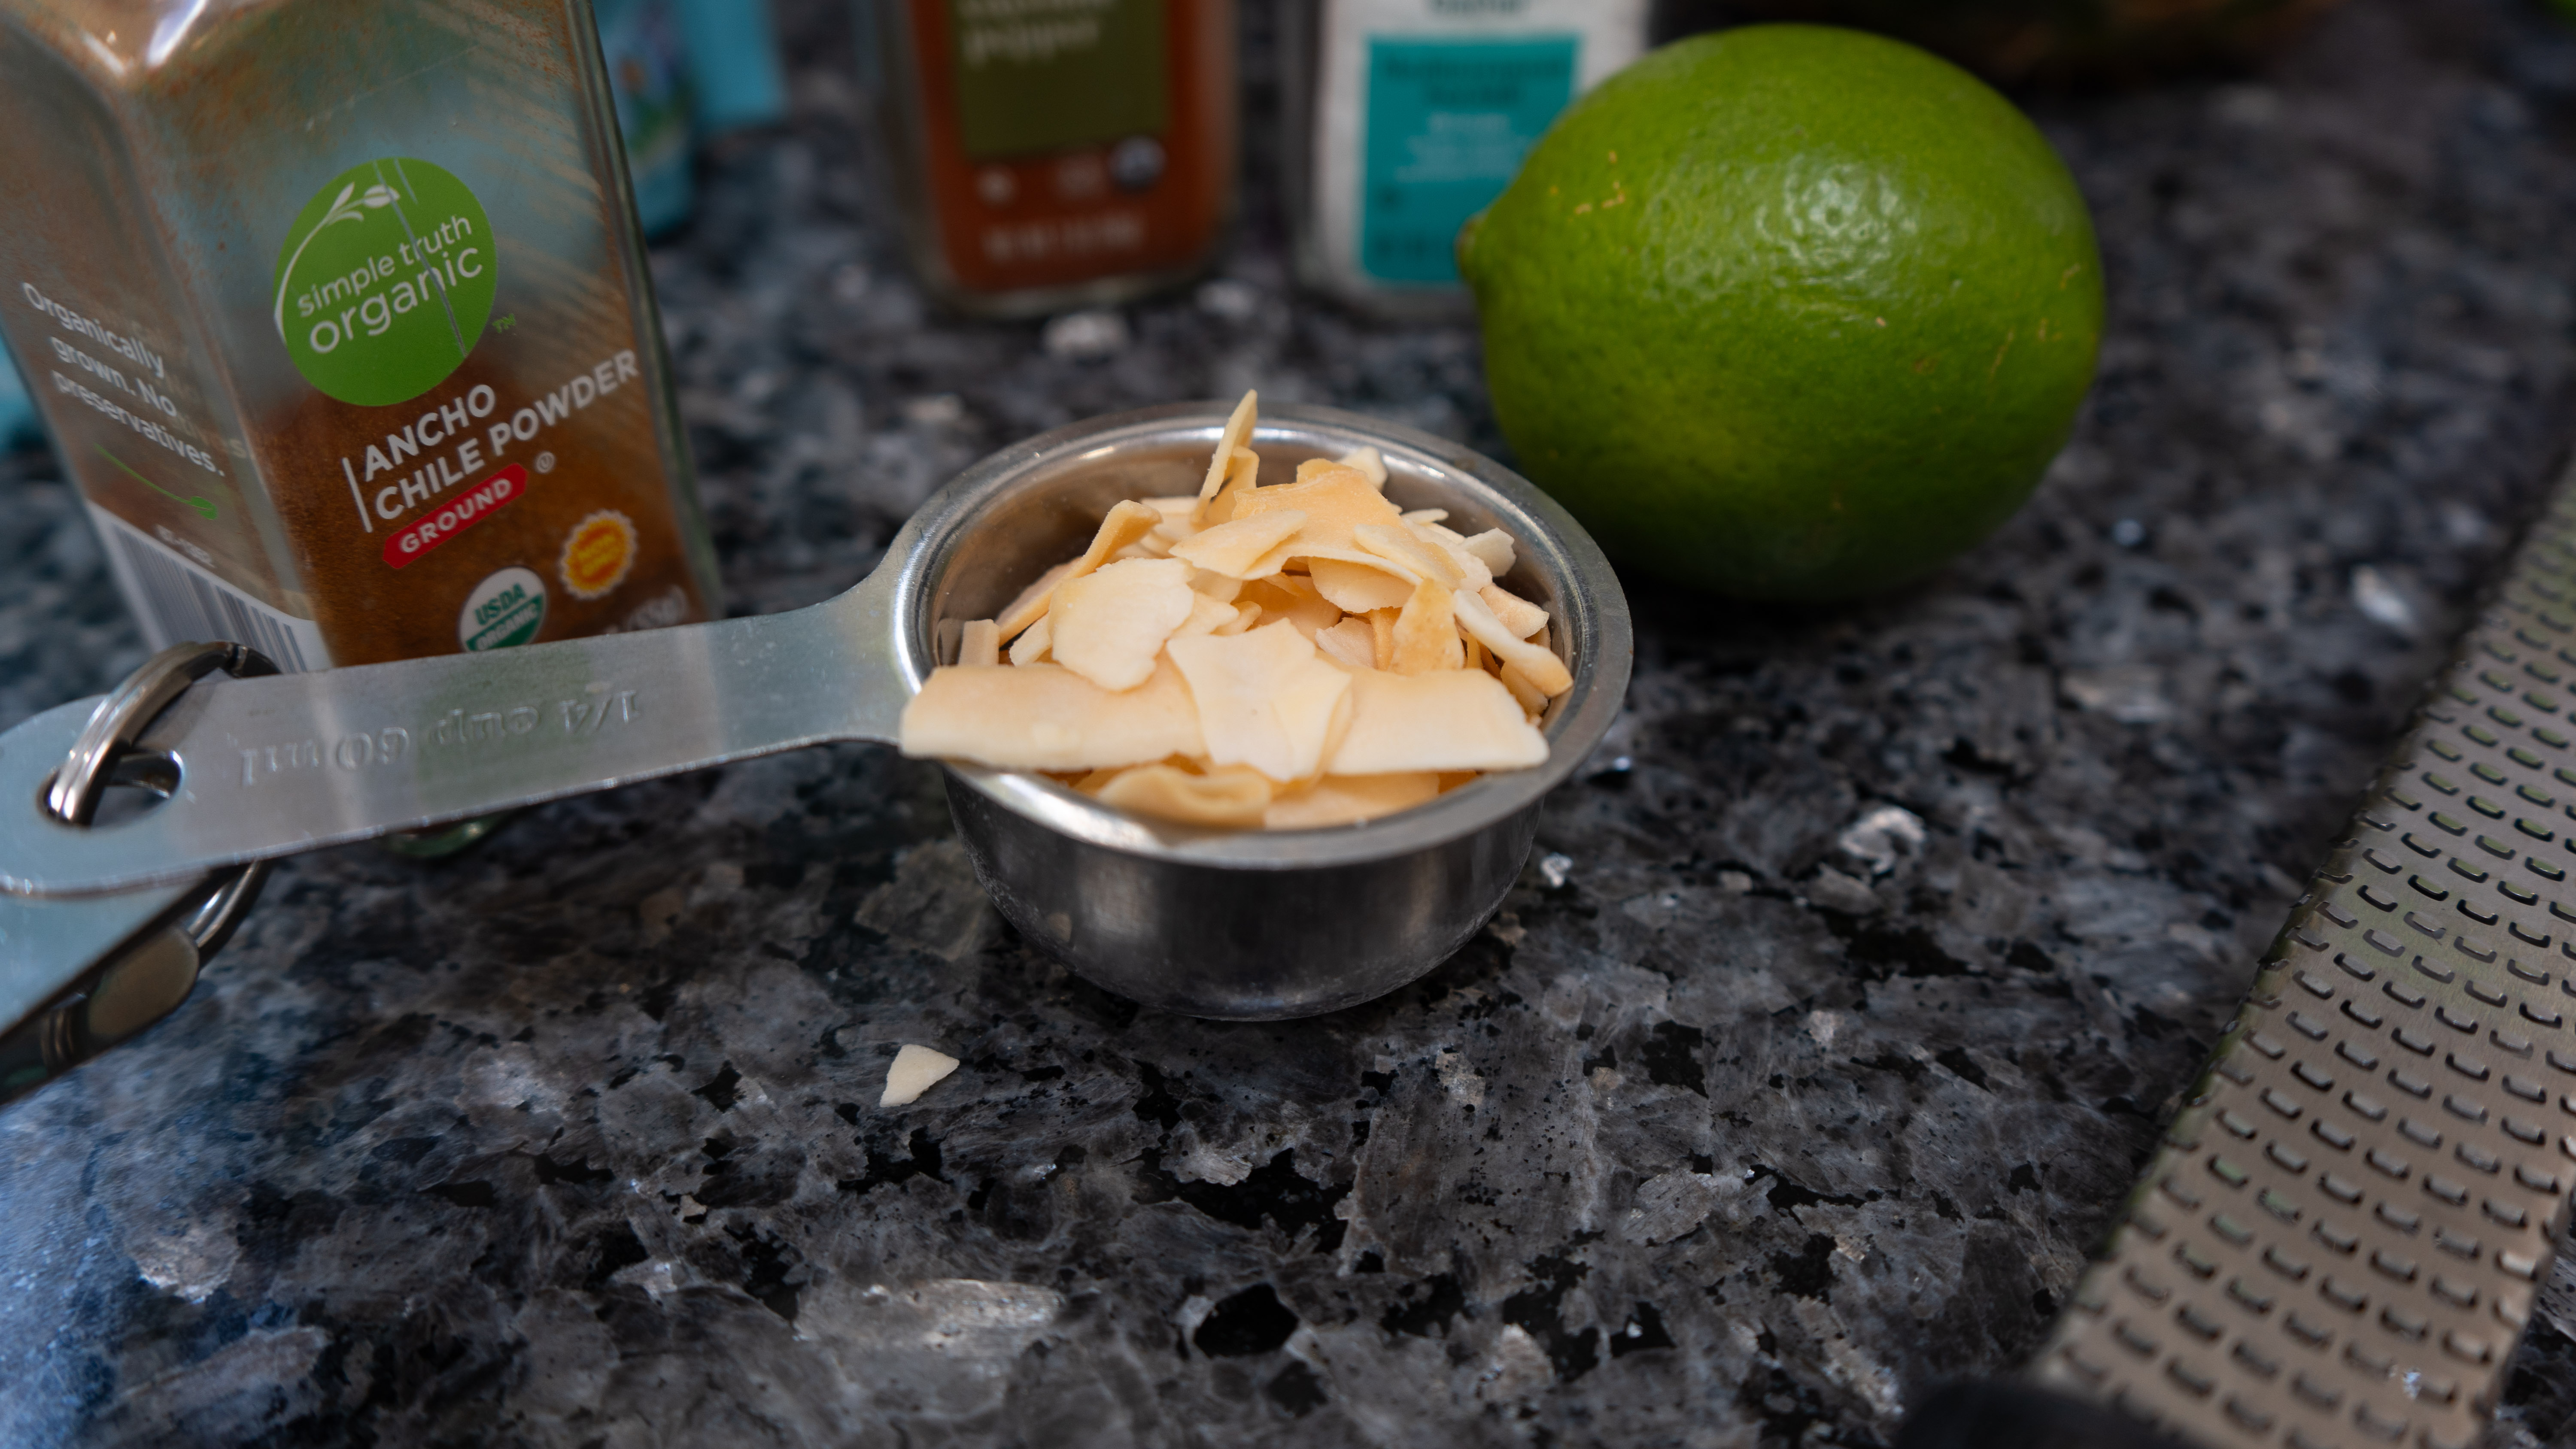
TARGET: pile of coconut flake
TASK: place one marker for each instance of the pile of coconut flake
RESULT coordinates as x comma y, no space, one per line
1287,657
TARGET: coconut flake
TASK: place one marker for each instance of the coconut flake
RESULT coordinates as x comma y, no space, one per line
1472,573
1517,614
1294,599
1238,431
1107,626
1528,695
1335,500
1236,547
1230,798
1216,586
1126,522
1426,633
981,643
1368,462
1452,720
1314,709
1493,546
1402,545
1031,646
1534,660
1206,616
1351,642
1357,588
1046,717
915,1070
1348,800
1243,476
1263,698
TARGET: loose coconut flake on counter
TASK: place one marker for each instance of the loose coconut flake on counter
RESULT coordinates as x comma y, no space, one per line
916,1069
1286,657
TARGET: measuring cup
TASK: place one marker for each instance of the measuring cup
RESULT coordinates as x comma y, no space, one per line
1244,925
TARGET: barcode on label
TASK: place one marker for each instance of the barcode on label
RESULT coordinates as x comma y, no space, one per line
179,602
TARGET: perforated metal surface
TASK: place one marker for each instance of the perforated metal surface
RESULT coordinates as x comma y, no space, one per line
2342,1235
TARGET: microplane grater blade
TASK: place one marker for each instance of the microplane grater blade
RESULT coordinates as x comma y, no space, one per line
2341,1236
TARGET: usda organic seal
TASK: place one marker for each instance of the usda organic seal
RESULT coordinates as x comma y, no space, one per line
503,610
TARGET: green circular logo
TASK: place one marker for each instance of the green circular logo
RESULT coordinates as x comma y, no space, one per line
385,281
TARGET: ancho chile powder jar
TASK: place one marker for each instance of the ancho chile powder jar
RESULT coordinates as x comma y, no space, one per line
339,317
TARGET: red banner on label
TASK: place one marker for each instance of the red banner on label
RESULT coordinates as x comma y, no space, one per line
458,514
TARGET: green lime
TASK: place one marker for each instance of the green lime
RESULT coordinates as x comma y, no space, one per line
1788,312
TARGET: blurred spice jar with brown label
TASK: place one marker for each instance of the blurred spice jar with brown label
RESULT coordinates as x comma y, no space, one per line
1047,154
339,317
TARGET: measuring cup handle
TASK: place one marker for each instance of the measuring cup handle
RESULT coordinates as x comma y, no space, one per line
258,768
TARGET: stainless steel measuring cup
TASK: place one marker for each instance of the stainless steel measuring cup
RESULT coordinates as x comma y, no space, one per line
1242,925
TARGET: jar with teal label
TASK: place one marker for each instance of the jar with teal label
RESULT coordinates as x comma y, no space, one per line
1406,117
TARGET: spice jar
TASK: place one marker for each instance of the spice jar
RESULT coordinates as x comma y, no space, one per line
1047,154
339,317
1406,117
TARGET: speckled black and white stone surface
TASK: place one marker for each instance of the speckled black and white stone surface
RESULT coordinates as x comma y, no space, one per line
1739,1125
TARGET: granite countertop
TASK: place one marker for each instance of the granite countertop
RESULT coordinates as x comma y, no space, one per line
1843,997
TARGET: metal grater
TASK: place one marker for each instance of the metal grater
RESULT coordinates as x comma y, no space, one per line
2342,1234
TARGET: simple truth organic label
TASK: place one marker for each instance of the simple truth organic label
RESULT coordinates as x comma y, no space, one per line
385,281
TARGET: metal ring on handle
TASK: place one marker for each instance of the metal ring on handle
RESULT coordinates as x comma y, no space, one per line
120,719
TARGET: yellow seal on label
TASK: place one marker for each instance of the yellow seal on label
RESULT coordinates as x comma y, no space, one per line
597,554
